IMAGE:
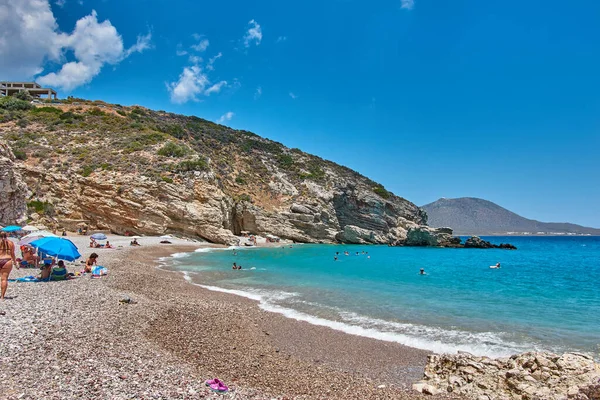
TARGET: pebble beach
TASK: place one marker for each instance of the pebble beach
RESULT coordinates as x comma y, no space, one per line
75,339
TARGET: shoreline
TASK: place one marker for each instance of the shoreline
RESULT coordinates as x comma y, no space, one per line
74,339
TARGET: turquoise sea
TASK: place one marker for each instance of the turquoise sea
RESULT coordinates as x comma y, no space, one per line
545,296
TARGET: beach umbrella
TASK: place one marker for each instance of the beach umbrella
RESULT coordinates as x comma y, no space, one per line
98,236
30,228
11,228
136,237
35,236
166,237
57,247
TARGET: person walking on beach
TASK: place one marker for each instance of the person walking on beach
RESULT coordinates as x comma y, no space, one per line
7,260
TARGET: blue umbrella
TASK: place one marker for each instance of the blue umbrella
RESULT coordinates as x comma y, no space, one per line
98,236
11,228
57,247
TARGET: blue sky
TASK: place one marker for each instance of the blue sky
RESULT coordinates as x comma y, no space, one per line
491,99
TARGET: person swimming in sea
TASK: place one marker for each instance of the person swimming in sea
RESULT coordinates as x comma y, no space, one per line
335,258
422,271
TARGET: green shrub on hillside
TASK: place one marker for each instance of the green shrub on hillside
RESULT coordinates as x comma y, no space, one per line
285,161
49,110
13,104
199,164
315,173
96,112
381,191
70,116
24,95
41,207
171,149
87,170
20,154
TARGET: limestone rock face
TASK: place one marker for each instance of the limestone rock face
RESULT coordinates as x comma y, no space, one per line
131,169
426,236
196,206
13,189
533,375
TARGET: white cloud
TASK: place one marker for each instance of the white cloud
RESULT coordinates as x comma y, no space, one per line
197,36
258,93
201,46
407,4
60,3
225,117
180,52
211,62
195,60
143,43
216,88
293,96
29,37
94,44
281,39
254,34
191,83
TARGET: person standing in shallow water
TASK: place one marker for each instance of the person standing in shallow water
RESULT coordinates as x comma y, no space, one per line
7,260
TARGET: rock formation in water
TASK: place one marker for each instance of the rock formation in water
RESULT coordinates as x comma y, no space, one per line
475,242
542,376
130,169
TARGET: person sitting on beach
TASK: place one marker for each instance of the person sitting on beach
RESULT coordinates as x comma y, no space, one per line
93,243
64,233
108,245
46,268
134,242
59,273
91,261
30,257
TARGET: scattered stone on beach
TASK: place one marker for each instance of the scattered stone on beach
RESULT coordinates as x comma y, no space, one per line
532,375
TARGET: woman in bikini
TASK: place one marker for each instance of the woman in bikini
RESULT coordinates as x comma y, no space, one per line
7,260
91,262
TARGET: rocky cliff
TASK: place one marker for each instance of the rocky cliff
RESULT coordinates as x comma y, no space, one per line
12,187
130,169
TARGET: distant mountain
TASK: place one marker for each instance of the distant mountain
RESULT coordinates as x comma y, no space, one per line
472,216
